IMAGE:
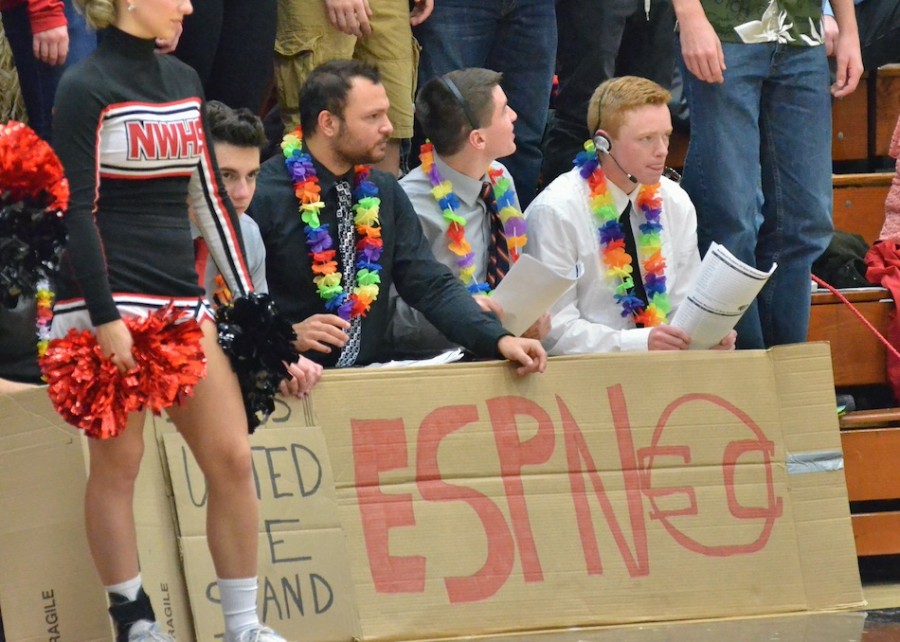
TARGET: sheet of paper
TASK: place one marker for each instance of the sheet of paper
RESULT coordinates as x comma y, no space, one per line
528,290
724,289
445,357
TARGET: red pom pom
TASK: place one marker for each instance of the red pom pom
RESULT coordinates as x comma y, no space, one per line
30,170
89,392
169,356
86,389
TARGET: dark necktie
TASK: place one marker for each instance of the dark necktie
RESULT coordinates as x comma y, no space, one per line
498,251
631,248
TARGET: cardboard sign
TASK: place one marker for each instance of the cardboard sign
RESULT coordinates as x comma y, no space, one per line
611,489
305,588
464,500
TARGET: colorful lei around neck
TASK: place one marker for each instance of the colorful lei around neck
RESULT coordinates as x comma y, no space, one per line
319,241
513,222
612,244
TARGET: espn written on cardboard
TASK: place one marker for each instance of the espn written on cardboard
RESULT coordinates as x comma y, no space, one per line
464,500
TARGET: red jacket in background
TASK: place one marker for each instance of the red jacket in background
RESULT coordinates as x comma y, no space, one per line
43,14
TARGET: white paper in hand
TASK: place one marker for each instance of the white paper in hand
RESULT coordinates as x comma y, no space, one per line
528,290
723,290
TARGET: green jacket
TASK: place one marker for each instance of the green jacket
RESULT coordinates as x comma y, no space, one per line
795,22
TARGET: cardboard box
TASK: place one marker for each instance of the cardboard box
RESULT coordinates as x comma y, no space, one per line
49,590
612,490
157,530
806,627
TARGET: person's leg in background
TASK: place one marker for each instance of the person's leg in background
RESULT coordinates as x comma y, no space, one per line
37,79
241,71
648,44
458,35
795,130
879,32
392,49
722,168
590,33
516,39
304,39
200,39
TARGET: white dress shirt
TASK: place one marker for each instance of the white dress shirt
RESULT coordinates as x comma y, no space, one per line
562,232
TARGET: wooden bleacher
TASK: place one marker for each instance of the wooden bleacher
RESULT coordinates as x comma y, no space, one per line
887,106
862,124
870,438
849,124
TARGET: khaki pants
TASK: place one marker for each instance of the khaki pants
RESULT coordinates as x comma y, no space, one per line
306,39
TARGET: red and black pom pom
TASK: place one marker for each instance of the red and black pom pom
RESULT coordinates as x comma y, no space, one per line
33,195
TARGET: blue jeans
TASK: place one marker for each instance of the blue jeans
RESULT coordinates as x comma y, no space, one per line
758,170
515,37
38,80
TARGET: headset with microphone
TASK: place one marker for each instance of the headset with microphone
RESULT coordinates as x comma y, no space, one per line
603,145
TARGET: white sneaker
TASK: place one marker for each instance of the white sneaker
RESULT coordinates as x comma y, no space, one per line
257,633
147,631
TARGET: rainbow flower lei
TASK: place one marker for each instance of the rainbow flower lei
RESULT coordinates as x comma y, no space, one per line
44,300
513,222
319,241
612,243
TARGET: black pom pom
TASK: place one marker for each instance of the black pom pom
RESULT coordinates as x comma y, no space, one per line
32,241
259,341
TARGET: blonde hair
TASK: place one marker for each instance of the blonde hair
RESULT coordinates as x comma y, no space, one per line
617,96
99,14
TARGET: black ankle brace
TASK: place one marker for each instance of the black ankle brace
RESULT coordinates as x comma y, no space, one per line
125,613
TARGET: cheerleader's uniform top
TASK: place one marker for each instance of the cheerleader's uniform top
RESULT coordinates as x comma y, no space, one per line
130,132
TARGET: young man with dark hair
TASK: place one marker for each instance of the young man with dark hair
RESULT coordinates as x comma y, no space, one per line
633,230
465,199
338,234
517,39
237,136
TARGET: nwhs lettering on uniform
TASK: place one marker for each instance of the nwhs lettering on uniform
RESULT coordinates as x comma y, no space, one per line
163,140
138,140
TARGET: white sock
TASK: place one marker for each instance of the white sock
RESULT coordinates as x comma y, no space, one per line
128,589
238,605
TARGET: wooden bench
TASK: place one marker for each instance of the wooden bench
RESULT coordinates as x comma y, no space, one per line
887,101
849,125
870,438
859,203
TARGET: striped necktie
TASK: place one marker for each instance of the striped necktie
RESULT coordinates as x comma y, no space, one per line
498,251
